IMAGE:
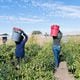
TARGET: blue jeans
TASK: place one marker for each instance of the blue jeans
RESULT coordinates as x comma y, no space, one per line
56,51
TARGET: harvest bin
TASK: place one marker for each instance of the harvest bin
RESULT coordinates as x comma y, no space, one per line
16,34
54,30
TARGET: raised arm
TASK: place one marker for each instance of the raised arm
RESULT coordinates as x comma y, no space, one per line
25,36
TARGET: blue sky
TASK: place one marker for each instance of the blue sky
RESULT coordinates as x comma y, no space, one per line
33,15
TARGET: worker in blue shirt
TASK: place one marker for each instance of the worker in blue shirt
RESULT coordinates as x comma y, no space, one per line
19,51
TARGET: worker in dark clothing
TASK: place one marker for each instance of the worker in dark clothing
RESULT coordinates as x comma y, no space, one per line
19,51
57,48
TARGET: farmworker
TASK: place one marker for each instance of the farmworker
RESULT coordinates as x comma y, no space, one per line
4,38
56,35
19,51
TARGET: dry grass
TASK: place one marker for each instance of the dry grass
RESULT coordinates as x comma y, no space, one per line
73,38
0,41
39,39
76,39
9,42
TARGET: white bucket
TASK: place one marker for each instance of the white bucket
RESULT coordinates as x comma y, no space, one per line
16,35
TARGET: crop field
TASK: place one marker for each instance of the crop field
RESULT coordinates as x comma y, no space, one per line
37,66
71,54
39,60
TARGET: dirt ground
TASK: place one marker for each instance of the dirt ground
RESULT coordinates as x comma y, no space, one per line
62,72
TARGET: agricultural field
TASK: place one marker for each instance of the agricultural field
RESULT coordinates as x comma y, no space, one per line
37,66
71,54
39,60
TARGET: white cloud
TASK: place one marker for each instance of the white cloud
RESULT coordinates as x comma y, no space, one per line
21,19
26,1
59,9
30,19
49,9
69,11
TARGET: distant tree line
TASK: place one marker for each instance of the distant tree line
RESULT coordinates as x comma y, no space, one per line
36,32
39,32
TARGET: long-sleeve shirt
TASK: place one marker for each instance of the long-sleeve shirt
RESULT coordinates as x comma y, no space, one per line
56,40
20,52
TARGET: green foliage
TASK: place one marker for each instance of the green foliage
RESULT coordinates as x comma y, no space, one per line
38,62
38,65
32,49
71,52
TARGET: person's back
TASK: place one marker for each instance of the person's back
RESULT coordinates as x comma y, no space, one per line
57,39
20,52
57,48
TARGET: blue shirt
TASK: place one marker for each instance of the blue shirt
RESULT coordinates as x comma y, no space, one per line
20,52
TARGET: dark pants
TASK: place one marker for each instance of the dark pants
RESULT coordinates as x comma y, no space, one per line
56,51
18,60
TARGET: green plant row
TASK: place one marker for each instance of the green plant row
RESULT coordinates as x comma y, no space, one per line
36,66
71,53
